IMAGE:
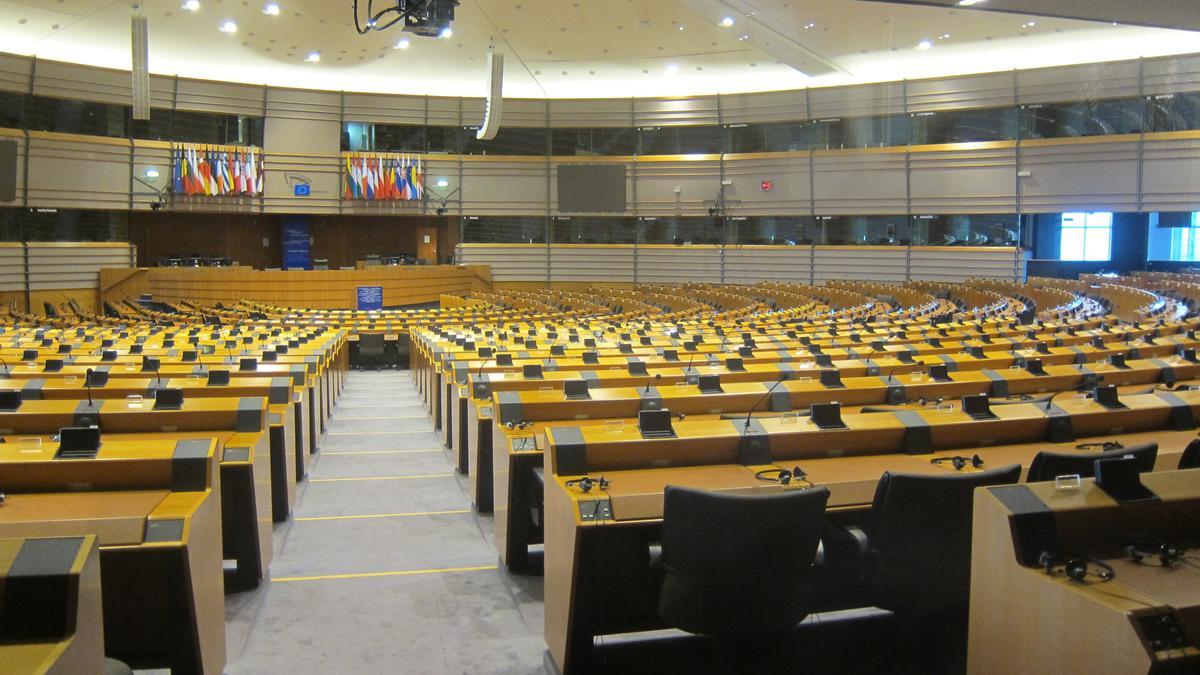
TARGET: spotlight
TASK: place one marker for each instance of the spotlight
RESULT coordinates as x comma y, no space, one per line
228,27
191,5
271,9
727,21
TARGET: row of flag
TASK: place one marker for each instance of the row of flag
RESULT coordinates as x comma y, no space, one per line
204,170
376,177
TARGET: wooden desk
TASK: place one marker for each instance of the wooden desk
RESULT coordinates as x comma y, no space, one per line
69,634
1025,620
160,566
597,569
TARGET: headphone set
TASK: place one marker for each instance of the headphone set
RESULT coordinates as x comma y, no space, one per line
783,476
1106,446
959,462
1076,567
517,425
1166,554
586,484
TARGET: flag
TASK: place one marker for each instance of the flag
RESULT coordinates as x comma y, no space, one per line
348,181
178,171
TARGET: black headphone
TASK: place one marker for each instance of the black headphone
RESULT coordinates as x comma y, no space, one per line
959,461
782,476
1167,555
1104,447
1077,567
586,483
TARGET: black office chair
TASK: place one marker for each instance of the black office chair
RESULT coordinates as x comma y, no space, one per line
1190,459
739,566
370,350
919,539
1046,465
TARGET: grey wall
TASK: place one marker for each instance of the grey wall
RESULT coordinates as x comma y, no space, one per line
302,136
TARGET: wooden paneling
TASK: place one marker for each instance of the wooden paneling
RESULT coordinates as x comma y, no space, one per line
320,289
234,235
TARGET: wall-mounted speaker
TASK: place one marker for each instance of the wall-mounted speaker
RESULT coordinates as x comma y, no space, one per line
140,35
8,171
493,105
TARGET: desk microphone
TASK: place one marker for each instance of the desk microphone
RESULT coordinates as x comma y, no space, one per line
690,360
657,376
87,381
483,365
782,377
157,376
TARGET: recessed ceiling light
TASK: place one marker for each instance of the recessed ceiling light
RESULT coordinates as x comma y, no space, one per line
313,57
727,21
944,36
228,27
271,9
446,32
1029,24
924,44
442,182
672,69
402,44
809,25
191,5
681,26
744,37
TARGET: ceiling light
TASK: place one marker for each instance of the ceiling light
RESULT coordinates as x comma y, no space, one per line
151,172
1029,24
924,44
744,37
191,5
313,57
229,27
672,69
271,9
944,36
809,25
681,26
402,44
727,21
968,3
442,182
446,32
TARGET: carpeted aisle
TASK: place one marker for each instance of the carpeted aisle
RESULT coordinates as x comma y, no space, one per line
384,568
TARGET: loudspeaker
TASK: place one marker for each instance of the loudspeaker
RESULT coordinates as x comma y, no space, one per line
141,67
493,104
8,171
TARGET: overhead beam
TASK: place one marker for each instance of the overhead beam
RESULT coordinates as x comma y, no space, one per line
759,33
1176,14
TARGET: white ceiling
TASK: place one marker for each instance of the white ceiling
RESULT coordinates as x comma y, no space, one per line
575,48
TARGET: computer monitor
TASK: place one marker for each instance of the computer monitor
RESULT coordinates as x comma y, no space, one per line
576,390
975,352
735,365
589,342
670,355
96,378
29,355
977,407
655,424
10,400
1107,396
150,364
646,341
78,443
269,355
1035,367
591,358
531,371
53,366
710,384
168,398
247,364
939,373
484,352
689,346
824,360
637,368
827,415
504,359
746,352
831,379
1118,361
107,342
108,355
905,356
64,349
558,350
625,348
1121,479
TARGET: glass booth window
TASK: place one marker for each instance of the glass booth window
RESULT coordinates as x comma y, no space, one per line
682,230
1173,112
681,140
12,107
769,137
1089,118
620,142
43,113
592,230
963,126
772,230
508,141
504,230
1086,236
865,230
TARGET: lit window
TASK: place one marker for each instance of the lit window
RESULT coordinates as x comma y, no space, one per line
1086,236
1185,240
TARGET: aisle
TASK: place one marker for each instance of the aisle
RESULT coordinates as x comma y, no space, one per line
384,568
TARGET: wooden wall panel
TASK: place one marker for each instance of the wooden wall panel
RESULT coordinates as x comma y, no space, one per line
235,236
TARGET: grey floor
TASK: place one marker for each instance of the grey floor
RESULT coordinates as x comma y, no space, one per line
405,580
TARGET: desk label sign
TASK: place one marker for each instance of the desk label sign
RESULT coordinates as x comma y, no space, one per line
370,297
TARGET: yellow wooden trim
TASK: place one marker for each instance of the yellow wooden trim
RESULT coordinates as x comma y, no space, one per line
79,138
1191,135
80,244
964,147
1080,140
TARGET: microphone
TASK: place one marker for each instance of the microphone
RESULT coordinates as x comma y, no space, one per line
87,381
157,376
657,376
484,365
690,360
782,377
